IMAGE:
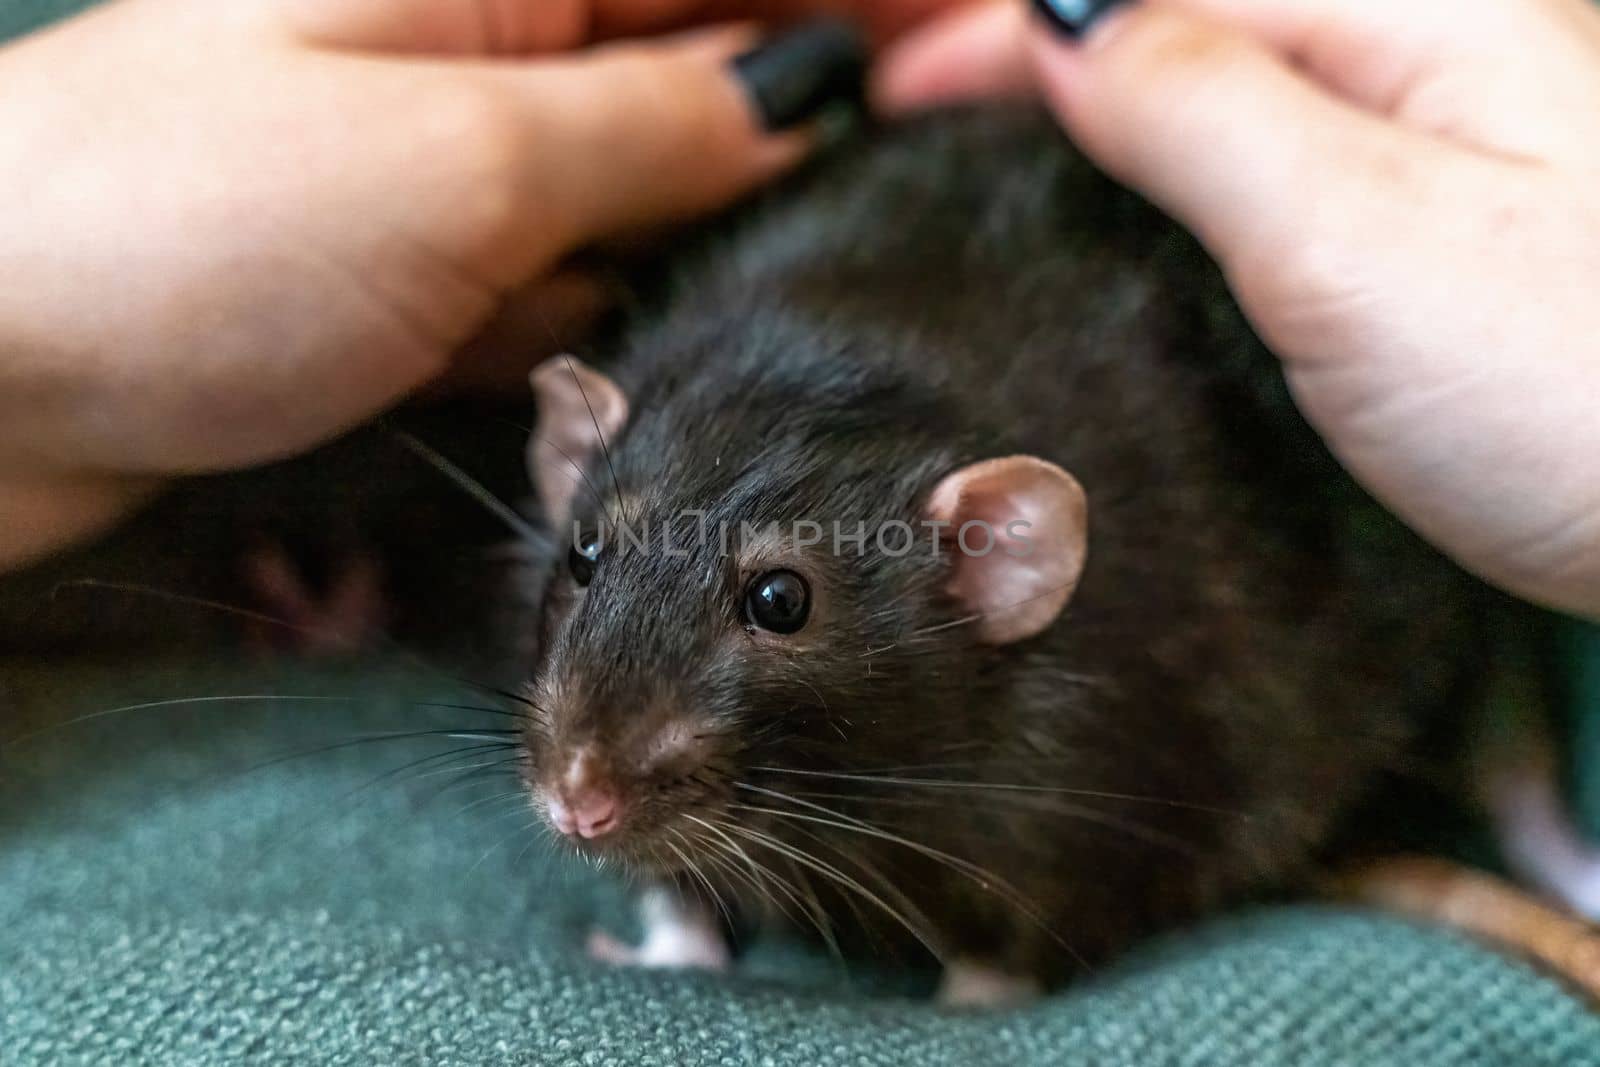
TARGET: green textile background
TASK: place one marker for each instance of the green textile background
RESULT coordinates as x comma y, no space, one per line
166,899
19,16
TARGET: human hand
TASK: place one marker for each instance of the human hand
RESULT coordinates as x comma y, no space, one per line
1405,198
236,229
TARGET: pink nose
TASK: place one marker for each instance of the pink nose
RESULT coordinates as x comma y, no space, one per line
590,814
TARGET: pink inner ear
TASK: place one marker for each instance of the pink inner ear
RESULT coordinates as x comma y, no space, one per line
578,409
1026,524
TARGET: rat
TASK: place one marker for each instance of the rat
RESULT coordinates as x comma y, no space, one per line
940,567
1150,647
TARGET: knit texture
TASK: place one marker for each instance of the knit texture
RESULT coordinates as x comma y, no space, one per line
167,898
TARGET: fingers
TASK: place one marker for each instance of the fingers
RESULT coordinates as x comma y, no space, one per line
1208,121
635,135
523,27
977,50
882,19
443,27
1227,137
1498,74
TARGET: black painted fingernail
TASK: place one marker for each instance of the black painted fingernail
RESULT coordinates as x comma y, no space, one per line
1072,18
793,77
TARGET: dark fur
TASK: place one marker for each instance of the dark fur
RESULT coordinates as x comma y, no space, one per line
1252,643
362,497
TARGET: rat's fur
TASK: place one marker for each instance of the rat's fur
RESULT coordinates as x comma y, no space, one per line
1253,640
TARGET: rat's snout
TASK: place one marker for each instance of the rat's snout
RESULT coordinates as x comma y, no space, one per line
584,802
589,814
608,786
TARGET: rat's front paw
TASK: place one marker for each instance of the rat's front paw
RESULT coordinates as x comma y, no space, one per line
696,953
347,616
971,986
675,935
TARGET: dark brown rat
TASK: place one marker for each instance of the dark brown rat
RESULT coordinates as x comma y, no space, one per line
1214,648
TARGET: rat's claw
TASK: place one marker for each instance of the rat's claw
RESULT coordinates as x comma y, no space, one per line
603,948
971,986
669,951
676,935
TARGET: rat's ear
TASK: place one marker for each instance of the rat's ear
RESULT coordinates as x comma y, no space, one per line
1017,538
580,410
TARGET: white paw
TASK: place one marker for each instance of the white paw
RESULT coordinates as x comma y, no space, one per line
974,986
676,935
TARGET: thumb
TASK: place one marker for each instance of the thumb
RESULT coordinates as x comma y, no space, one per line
1227,137
648,132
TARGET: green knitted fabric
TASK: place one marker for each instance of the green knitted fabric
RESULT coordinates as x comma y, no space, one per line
165,898
19,16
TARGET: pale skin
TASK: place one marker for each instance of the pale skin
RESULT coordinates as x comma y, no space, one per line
221,255
237,229
1406,200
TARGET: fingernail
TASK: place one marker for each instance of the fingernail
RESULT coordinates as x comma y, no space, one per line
1073,18
795,76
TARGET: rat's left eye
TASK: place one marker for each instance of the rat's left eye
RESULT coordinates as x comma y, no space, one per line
779,601
581,559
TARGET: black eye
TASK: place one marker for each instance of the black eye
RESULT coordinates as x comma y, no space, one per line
779,601
581,559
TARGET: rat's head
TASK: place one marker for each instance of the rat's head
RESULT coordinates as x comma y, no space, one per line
767,580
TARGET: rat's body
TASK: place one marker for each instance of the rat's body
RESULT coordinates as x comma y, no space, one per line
1250,644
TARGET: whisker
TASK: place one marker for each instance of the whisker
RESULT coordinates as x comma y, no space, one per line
605,450
528,431
1083,813
767,880
867,869
470,485
470,776
1004,787
245,613
394,772
520,829
978,616
232,698
830,871
177,598
984,878
599,500
1045,804
500,798
697,873
435,772
717,856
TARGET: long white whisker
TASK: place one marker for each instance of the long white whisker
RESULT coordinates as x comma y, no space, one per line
694,870
828,870
471,486
999,787
981,876
767,880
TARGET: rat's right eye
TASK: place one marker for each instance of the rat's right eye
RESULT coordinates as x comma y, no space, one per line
581,559
779,601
